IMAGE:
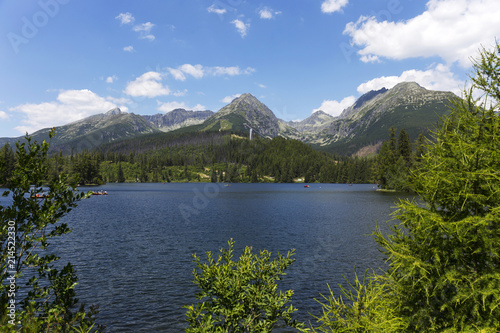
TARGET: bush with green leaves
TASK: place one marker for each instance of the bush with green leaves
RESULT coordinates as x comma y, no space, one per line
45,300
361,307
242,295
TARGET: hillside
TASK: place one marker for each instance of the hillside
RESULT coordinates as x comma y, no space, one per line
358,130
367,122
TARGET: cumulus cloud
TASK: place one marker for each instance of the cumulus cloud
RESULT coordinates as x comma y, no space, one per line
331,6
125,18
241,26
3,115
451,29
147,85
111,79
199,71
268,13
438,77
229,99
213,9
129,48
195,71
169,106
71,105
335,108
144,30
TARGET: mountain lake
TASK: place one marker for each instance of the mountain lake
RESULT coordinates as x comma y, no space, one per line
132,249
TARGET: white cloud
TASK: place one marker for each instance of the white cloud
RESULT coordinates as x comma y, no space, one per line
199,71
195,71
331,6
229,99
129,48
71,105
268,13
4,115
111,79
177,73
125,18
169,106
147,85
144,30
241,27
231,71
219,11
261,85
451,29
438,77
122,101
335,108
180,93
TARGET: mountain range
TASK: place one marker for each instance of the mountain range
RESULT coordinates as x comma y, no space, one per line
359,129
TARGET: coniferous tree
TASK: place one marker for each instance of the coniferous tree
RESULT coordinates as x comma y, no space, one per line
213,175
7,163
404,146
120,176
444,257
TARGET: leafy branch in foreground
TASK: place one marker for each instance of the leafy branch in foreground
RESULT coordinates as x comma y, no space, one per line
362,307
240,296
35,296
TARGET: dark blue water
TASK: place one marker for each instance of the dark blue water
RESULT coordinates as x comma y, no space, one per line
133,248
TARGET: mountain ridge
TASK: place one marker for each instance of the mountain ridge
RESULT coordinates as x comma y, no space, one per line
365,123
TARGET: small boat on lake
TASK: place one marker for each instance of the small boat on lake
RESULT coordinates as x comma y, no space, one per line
307,186
99,193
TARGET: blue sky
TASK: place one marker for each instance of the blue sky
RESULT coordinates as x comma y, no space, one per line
63,60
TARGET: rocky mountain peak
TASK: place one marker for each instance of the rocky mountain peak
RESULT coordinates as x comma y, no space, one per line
247,106
368,96
243,113
114,111
408,85
320,113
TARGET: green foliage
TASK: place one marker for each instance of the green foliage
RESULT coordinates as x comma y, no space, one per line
394,162
364,307
7,163
444,257
47,302
86,168
208,156
240,296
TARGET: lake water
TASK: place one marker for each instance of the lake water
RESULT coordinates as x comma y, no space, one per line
133,248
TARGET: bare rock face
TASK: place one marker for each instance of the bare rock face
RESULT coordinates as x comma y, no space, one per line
178,118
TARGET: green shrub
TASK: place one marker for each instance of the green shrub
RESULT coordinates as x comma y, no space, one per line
240,296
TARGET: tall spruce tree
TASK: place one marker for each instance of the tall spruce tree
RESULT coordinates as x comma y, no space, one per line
444,256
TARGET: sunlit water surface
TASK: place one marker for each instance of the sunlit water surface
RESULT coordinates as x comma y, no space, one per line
133,248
